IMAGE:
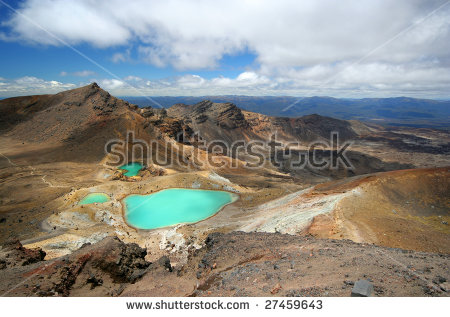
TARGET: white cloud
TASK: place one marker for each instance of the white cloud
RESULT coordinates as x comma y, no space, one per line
118,57
29,85
190,82
121,57
368,80
196,34
81,73
111,84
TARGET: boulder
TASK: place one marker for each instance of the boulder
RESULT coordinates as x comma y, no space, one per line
165,262
362,288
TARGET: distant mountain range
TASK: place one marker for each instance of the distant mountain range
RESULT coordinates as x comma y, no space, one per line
399,111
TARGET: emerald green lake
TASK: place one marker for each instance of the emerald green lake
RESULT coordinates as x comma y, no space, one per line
94,198
174,206
132,169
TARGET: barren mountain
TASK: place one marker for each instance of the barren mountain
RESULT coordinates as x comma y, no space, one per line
225,121
228,123
78,123
52,154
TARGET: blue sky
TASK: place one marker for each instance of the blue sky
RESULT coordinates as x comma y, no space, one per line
48,62
347,49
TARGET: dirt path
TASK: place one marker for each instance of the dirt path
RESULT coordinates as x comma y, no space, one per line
33,170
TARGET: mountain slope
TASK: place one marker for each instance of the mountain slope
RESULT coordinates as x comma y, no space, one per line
407,209
225,120
78,123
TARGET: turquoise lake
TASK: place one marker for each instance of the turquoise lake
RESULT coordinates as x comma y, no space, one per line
132,169
174,206
94,198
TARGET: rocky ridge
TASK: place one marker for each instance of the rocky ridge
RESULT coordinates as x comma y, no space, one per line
101,269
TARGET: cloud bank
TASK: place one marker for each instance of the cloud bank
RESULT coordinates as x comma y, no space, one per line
29,85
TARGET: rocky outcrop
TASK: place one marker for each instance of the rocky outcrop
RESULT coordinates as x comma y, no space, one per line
225,121
108,103
101,269
225,115
14,254
155,170
174,128
213,121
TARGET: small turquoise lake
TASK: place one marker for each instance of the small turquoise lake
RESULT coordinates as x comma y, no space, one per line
132,169
174,206
94,198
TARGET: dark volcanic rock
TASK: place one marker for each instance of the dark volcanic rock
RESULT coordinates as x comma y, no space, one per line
103,268
120,260
362,288
165,262
14,254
